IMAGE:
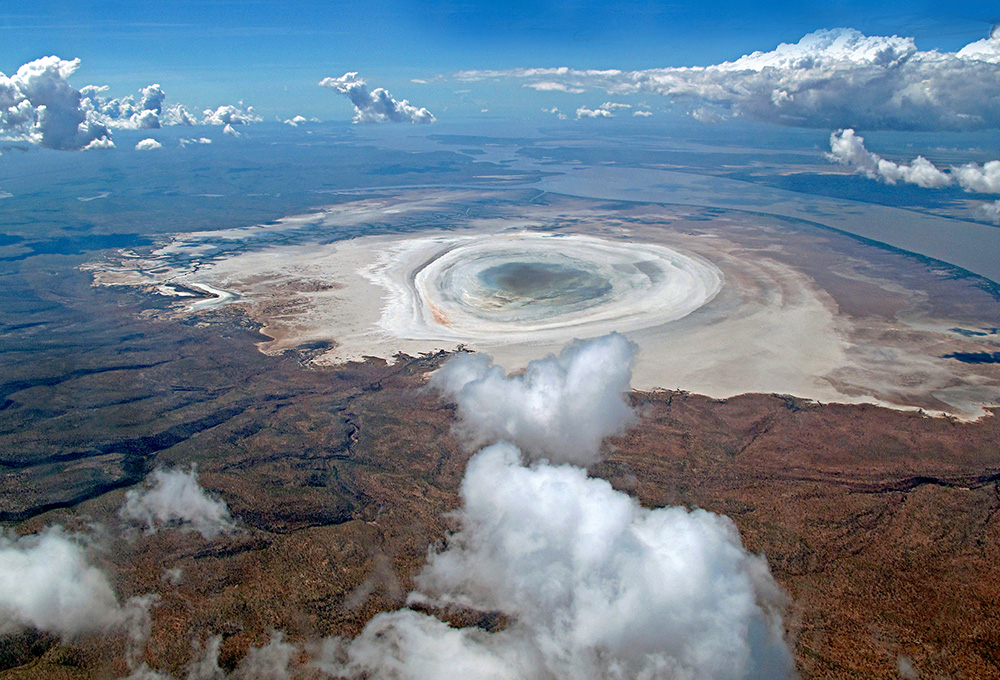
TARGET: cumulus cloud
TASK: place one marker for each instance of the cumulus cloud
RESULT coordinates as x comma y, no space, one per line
592,585
177,114
48,583
125,112
151,98
990,211
230,115
296,121
556,112
605,110
149,113
848,148
642,113
176,499
148,144
38,104
982,178
376,106
987,50
584,112
560,408
832,78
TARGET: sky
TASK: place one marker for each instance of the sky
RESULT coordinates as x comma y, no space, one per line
272,54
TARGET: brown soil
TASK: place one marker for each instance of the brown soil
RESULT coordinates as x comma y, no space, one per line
881,525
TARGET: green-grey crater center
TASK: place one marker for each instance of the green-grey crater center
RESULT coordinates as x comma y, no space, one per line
524,283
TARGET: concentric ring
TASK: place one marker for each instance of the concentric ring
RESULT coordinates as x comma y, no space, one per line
513,287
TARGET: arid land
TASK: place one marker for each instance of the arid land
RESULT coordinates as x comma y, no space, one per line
879,523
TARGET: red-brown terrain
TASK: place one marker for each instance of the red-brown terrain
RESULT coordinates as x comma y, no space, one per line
879,524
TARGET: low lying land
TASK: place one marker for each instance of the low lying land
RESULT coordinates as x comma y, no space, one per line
880,524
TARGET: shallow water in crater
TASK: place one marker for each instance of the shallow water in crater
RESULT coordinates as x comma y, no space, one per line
533,282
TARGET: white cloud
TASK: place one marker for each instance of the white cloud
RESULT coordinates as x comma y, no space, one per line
273,661
126,112
644,114
144,672
148,144
38,104
406,645
47,583
376,106
833,78
555,111
175,498
982,178
594,585
987,50
848,148
230,115
197,140
151,98
919,171
605,110
584,112
206,666
704,114
560,408
296,121
100,143
270,662
550,86
990,211
230,130
177,114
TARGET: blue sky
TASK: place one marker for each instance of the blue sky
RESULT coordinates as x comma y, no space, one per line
271,54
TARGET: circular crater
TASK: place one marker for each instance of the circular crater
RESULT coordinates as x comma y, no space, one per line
517,286
508,288
522,284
